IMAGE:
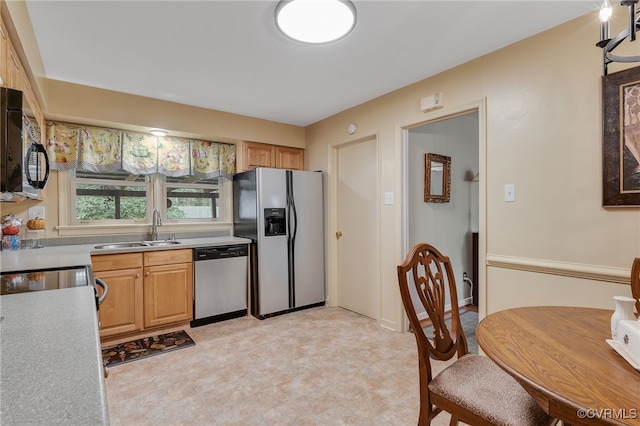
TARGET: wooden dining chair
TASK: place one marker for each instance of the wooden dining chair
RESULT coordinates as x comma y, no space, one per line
473,389
635,282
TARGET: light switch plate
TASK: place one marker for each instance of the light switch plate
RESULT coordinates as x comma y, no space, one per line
388,197
37,211
510,192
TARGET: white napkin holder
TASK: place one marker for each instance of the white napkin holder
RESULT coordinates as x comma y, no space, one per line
627,342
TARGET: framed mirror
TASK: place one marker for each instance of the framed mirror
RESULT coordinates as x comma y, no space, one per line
437,178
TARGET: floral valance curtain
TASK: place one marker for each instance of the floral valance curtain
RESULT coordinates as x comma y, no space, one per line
97,149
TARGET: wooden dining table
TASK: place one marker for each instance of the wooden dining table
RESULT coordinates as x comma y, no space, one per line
560,356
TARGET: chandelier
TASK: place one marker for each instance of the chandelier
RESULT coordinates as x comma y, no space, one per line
607,43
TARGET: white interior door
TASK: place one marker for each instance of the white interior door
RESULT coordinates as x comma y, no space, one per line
357,217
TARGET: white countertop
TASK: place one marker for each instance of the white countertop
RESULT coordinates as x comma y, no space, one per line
50,360
80,255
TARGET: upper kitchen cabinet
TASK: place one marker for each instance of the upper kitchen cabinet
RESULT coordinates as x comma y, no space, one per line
16,76
14,68
265,155
4,47
259,155
11,68
289,158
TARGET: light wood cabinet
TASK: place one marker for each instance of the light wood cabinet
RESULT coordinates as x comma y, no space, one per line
121,311
168,287
259,155
289,158
15,75
11,67
14,68
3,52
265,155
146,290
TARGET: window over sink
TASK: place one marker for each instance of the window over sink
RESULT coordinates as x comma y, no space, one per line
109,196
119,198
190,198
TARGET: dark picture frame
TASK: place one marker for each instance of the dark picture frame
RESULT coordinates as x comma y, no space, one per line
437,178
621,139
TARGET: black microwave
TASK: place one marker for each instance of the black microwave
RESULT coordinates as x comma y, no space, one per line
24,165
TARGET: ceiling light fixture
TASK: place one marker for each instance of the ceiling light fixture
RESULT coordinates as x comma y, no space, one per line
315,21
607,43
158,132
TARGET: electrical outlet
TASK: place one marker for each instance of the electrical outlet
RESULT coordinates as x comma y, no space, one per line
37,211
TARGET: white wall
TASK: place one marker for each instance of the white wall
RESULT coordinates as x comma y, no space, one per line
446,226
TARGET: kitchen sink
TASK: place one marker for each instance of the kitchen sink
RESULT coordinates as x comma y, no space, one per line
160,243
137,244
120,245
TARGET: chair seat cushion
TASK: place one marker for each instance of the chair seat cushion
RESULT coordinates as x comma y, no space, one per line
477,384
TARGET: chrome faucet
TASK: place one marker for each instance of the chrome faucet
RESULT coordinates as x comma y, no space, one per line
156,221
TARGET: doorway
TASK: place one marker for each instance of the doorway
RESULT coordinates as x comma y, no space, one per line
452,226
356,239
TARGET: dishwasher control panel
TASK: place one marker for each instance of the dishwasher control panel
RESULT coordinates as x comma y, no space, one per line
220,252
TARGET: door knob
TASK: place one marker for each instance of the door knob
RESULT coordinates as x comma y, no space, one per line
338,234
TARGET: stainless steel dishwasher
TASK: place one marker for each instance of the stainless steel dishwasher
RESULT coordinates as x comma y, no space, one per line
220,284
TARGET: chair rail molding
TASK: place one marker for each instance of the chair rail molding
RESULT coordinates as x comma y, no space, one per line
566,269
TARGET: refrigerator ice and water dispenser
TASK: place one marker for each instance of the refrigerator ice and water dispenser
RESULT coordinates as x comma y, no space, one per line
274,222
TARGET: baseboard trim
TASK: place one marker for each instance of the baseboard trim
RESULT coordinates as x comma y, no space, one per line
565,269
389,325
463,305
425,321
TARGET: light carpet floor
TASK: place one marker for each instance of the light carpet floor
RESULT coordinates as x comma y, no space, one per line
321,366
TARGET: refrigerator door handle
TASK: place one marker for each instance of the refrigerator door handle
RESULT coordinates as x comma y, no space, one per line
291,238
295,219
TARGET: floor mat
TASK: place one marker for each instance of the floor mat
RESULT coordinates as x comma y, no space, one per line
145,347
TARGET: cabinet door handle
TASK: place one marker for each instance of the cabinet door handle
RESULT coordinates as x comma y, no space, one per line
146,274
338,234
138,275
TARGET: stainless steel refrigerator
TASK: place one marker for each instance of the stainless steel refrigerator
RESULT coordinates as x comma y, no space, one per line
281,212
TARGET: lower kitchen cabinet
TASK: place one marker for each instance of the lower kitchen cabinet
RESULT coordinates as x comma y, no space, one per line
121,311
168,294
146,290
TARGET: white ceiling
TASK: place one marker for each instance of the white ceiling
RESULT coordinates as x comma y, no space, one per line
229,56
